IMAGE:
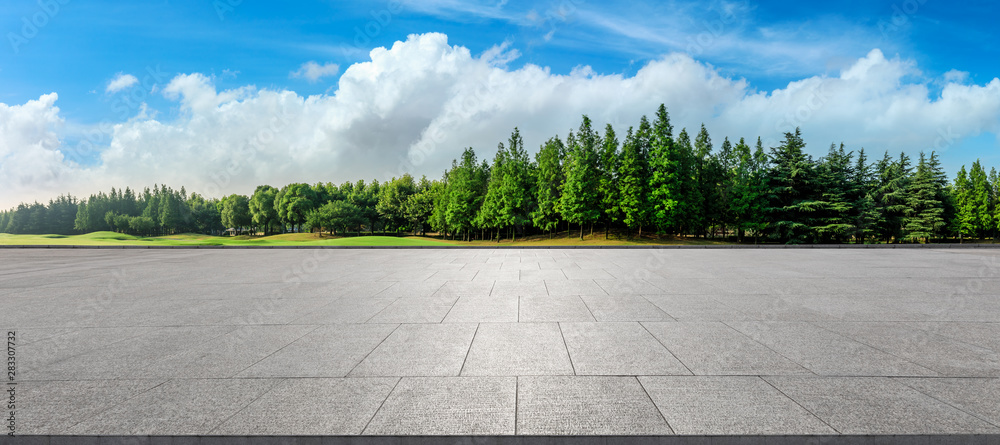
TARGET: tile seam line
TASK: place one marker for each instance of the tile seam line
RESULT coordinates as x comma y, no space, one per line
566,345
373,349
970,414
796,402
127,399
873,347
469,351
244,407
650,398
769,348
665,347
380,405
277,350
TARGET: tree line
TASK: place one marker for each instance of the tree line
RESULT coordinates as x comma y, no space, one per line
650,181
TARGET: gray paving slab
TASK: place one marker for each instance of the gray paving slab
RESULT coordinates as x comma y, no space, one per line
985,335
177,407
518,349
448,406
695,308
974,396
553,308
53,407
303,407
416,310
826,353
894,341
419,350
945,356
573,287
483,309
586,406
729,406
623,308
328,351
618,349
713,348
226,355
877,405
519,289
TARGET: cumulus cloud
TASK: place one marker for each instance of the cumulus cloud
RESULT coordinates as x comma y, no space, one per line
121,82
414,106
313,71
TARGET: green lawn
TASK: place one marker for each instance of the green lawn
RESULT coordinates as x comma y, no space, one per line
291,239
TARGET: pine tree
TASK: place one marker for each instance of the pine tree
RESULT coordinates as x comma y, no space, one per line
980,200
866,215
549,183
965,221
579,203
517,194
634,182
688,196
924,212
709,175
791,188
834,221
490,215
607,185
665,197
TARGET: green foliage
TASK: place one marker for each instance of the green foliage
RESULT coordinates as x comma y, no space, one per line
580,202
791,192
651,179
633,181
548,182
294,202
262,209
235,212
392,200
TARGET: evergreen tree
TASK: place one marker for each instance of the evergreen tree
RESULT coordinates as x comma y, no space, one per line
517,186
689,199
666,198
834,221
549,183
634,181
980,200
866,215
491,214
579,202
791,188
709,174
607,183
924,212
466,194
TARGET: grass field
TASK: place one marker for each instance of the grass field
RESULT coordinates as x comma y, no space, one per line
313,239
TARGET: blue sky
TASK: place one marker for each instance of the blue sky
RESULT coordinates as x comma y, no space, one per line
252,47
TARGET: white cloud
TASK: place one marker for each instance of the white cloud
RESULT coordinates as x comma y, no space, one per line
313,71
414,106
121,82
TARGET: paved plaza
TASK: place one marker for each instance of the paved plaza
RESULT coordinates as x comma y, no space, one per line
504,341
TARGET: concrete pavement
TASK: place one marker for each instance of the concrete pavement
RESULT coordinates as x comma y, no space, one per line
504,342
